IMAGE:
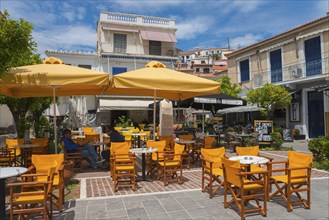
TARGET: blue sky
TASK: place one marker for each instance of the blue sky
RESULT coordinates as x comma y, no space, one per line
71,24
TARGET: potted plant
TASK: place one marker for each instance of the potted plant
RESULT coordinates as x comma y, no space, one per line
297,135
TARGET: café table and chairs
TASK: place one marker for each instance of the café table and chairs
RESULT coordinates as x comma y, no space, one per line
26,152
5,173
143,152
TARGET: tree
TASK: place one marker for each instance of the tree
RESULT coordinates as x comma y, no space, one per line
268,98
16,42
17,49
226,87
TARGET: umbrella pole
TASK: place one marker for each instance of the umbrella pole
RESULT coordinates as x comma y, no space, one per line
154,112
55,126
202,118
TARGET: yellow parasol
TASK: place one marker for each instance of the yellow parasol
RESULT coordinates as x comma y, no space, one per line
52,78
158,81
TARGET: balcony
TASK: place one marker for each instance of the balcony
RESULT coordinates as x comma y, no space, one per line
132,19
292,72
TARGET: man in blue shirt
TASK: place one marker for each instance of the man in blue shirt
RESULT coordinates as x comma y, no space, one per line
114,137
88,151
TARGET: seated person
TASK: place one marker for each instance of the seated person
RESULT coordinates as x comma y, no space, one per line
88,151
115,136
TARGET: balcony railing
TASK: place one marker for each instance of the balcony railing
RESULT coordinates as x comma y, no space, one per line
137,19
292,72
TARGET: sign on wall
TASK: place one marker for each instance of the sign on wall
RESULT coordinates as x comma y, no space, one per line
264,128
287,135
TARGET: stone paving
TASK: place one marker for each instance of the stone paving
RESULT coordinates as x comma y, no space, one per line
152,200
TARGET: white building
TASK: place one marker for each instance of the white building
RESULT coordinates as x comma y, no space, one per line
125,42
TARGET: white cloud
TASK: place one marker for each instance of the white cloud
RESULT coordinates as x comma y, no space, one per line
191,28
245,40
66,37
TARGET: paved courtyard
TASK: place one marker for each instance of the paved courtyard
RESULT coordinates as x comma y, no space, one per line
152,200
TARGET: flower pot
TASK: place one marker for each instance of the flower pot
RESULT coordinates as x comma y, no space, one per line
299,137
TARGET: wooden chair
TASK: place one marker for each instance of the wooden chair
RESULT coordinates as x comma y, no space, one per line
171,169
29,201
188,150
232,140
43,145
243,190
154,158
6,159
212,169
297,178
254,139
252,151
88,130
207,143
41,165
170,143
12,145
121,150
123,166
76,157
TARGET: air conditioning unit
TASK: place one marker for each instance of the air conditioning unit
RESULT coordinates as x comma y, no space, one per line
295,72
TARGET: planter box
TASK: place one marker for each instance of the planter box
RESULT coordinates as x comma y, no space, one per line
299,137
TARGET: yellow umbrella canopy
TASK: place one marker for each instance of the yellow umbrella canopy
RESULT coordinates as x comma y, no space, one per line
52,78
158,81
40,80
167,83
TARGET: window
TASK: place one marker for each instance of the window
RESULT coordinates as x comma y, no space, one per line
118,70
155,48
120,43
206,70
197,70
203,62
84,66
276,66
313,56
244,70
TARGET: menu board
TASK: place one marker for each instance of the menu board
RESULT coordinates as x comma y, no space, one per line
287,135
264,128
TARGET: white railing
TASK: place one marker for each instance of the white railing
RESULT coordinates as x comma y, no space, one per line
136,19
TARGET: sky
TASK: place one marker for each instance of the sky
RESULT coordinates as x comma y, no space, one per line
71,24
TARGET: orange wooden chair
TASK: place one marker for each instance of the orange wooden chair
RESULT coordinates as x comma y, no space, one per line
154,158
212,169
243,189
171,168
296,179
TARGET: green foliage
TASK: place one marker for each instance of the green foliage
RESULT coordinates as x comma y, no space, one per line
123,122
16,43
40,122
296,132
269,97
320,148
322,165
276,140
226,87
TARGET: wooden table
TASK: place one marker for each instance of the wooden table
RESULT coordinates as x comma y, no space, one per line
143,151
4,174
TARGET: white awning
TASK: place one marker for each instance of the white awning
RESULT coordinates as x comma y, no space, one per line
158,36
120,104
247,108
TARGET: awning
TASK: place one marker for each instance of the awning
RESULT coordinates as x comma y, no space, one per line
247,108
120,104
158,36
120,29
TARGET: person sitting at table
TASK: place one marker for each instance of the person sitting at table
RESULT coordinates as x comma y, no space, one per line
88,151
115,136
